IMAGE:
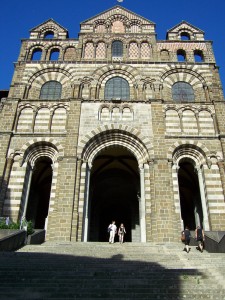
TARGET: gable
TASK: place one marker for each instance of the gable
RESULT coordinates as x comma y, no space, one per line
117,13
184,27
48,26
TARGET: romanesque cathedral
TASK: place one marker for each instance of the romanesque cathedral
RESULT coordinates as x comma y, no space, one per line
114,125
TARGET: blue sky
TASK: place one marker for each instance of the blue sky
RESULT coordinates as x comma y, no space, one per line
18,17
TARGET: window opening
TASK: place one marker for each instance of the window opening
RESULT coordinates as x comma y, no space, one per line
49,35
117,87
36,55
185,36
181,55
54,55
198,56
51,90
182,92
117,49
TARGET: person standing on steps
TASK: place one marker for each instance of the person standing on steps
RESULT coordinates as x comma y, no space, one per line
200,237
121,233
112,229
187,235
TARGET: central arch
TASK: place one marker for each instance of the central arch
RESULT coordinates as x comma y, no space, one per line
114,190
113,161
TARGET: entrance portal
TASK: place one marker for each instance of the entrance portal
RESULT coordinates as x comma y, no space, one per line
190,199
114,189
38,201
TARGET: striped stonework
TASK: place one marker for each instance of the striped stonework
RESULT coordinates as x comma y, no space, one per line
156,149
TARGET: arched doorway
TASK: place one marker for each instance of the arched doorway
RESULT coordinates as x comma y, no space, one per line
114,190
190,198
39,194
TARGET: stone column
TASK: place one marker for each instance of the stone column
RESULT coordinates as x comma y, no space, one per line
198,124
142,205
206,91
222,174
26,91
97,89
76,88
30,170
75,217
203,199
215,124
181,122
175,168
86,204
50,121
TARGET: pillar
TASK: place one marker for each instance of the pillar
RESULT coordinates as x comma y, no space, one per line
203,199
142,206
86,204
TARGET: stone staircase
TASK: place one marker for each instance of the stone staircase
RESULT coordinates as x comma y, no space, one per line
105,271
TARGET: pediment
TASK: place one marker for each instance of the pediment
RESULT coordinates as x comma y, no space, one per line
117,11
49,25
185,26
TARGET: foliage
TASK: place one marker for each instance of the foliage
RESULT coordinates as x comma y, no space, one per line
10,226
30,227
13,225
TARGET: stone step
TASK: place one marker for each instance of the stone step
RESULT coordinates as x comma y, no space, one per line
103,271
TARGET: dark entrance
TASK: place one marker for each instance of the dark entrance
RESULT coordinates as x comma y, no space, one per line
190,199
114,187
38,202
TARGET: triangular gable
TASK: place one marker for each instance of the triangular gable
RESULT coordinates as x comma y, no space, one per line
117,10
185,25
49,22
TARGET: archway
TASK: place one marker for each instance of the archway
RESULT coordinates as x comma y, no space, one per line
190,198
39,195
114,190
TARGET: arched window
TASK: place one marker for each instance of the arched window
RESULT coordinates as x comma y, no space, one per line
54,55
36,55
182,92
51,90
117,49
49,35
181,55
198,56
185,36
117,87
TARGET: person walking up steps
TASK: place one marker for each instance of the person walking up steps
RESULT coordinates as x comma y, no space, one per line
187,235
200,237
112,231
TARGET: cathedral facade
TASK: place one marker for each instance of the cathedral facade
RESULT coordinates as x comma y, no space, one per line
114,125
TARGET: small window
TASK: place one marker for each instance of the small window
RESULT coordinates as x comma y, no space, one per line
185,36
198,56
49,35
51,90
182,92
54,55
181,55
117,87
36,55
117,49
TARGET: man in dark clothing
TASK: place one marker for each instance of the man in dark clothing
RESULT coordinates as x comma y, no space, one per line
200,237
186,233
